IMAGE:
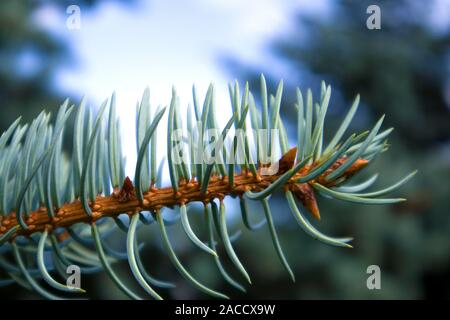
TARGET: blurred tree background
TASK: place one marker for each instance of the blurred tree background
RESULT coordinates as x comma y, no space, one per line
402,70
29,58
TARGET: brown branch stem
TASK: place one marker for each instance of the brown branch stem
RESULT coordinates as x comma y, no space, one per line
116,203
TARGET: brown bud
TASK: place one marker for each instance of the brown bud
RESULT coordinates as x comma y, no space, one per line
287,160
305,194
127,193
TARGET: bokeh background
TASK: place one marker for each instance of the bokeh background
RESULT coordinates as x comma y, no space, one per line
402,70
